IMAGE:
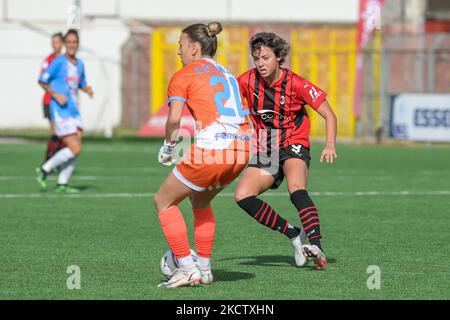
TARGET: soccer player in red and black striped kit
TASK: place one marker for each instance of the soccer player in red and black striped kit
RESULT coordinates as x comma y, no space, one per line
277,97
54,143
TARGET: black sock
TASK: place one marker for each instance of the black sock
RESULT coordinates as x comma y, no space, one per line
52,147
44,173
308,216
265,215
59,144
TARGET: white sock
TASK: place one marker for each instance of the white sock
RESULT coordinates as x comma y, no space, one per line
67,171
186,263
204,262
58,158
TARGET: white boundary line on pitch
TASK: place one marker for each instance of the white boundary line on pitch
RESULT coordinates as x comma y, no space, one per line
12,178
229,194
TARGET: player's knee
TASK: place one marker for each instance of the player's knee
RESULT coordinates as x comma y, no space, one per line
158,201
76,149
295,187
241,193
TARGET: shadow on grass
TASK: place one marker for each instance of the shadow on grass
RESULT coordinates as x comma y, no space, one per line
84,187
228,276
51,189
273,261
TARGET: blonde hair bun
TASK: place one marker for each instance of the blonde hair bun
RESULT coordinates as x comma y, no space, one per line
214,28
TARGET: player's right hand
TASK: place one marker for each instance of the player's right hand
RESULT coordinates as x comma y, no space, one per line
328,153
60,98
165,153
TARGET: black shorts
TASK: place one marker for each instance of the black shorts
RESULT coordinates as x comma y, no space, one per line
274,164
46,108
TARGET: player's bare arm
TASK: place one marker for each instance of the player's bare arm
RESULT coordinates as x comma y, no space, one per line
172,126
329,152
173,120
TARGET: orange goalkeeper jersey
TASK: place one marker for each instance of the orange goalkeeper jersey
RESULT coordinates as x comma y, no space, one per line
211,93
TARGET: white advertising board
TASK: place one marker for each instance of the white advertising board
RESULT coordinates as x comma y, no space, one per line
421,117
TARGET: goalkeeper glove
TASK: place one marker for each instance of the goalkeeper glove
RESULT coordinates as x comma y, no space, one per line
165,153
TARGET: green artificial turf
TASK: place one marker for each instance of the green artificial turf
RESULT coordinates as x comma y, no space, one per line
382,206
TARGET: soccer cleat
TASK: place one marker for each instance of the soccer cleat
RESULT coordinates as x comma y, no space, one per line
207,276
41,177
61,188
181,278
299,255
313,252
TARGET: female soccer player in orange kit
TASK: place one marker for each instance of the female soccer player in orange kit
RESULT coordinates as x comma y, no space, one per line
277,97
219,154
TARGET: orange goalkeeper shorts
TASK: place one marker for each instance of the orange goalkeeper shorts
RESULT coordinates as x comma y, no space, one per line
208,169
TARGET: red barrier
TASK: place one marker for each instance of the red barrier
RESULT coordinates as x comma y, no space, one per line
156,124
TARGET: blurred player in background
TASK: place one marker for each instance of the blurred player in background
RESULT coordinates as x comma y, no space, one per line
277,97
54,143
61,80
211,93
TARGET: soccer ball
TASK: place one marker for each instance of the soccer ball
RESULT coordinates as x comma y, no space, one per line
169,263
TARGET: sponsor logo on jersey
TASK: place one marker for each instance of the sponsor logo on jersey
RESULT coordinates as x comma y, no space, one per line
233,136
271,114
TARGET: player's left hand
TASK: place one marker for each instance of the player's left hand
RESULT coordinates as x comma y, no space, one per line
329,153
165,153
89,91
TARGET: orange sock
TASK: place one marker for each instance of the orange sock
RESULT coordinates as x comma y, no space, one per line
204,228
175,230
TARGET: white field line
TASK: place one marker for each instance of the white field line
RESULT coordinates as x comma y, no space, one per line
379,177
11,178
229,194
91,148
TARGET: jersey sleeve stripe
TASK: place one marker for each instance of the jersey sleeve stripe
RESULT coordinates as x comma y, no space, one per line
44,77
176,98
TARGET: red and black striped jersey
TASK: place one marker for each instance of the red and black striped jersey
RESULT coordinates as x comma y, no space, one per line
280,106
